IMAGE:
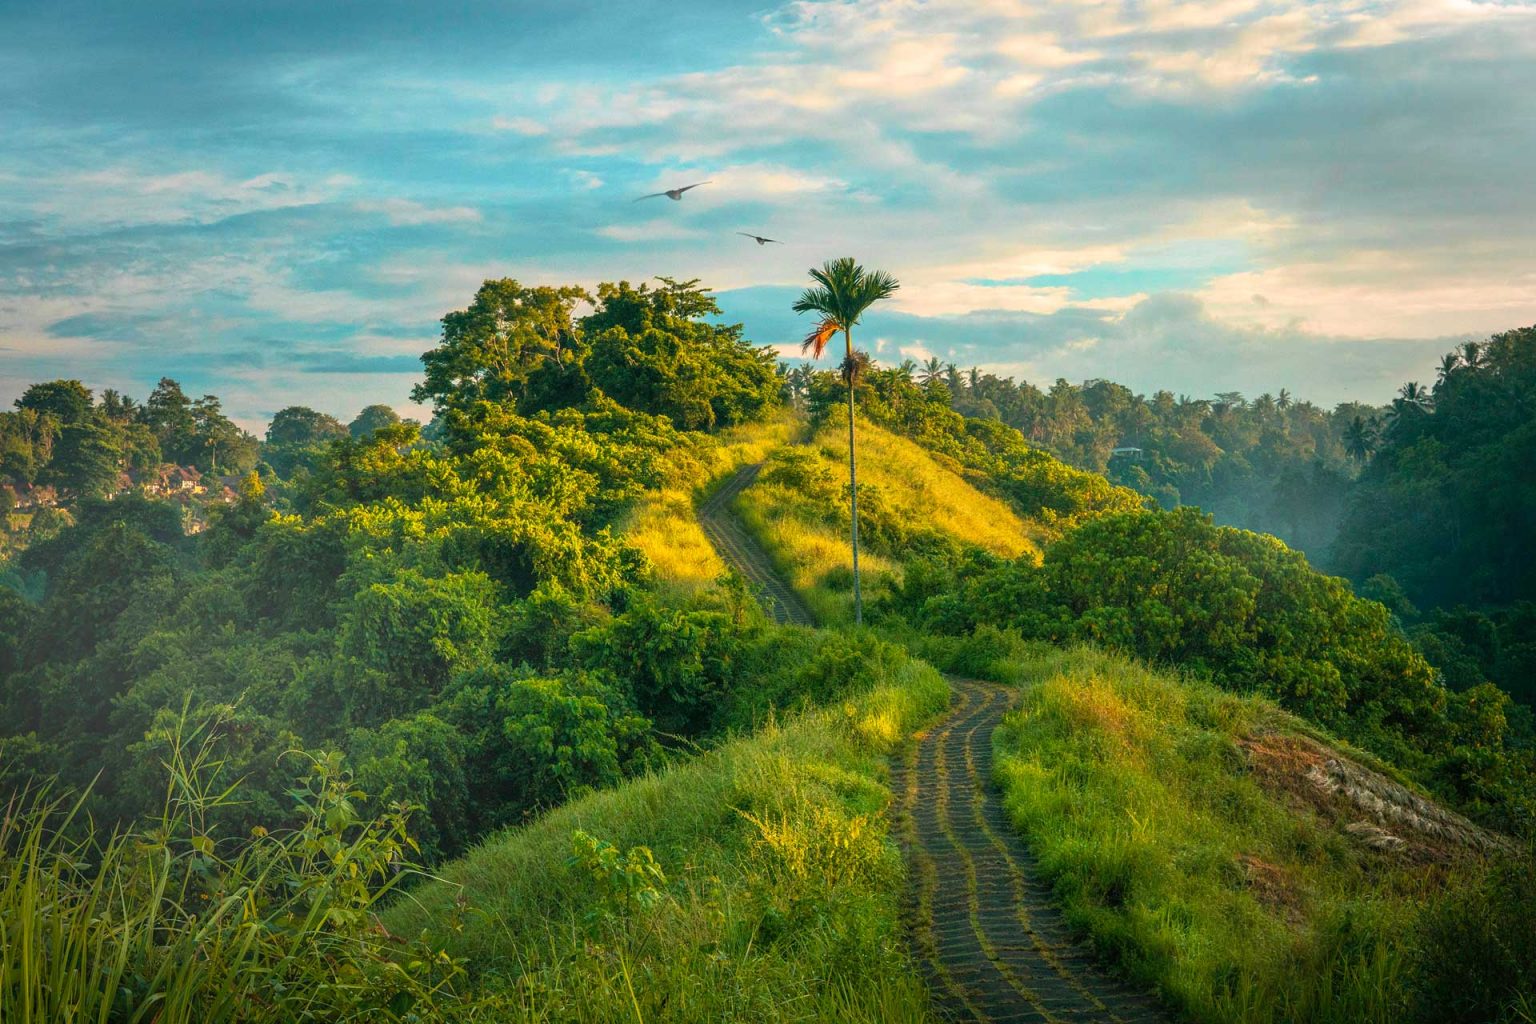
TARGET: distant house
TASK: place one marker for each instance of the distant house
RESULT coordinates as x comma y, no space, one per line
1126,452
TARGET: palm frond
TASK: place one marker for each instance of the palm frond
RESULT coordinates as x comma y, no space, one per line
816,342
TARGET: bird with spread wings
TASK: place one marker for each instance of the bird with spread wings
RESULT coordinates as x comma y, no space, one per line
759,239
673,194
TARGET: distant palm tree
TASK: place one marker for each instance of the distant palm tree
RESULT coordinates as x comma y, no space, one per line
1284,401
933,371
1360,439
1472,355
907,369
952,378
1449,364
843,291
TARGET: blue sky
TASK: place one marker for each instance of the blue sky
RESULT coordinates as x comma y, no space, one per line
275,202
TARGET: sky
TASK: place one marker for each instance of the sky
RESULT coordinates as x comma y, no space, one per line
276,202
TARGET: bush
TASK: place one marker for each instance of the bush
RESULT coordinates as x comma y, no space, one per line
1474,962
171,923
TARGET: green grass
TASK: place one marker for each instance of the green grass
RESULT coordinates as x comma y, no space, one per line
780,894
170,923
664,525
1240,905
803,523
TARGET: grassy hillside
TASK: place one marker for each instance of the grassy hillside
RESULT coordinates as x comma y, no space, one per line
663,524
1223,851
753,883
910,501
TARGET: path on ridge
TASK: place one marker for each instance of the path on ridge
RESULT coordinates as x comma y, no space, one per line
741,551
993,948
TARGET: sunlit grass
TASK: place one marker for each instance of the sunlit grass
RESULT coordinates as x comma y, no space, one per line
664,525
1240,905
807,535
781,895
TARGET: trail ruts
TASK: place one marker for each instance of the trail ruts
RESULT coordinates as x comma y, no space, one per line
993,947
742,552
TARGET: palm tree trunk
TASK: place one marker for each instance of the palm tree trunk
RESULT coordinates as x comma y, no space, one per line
853,488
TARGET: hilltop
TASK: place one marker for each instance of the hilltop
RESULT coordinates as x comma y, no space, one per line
557,761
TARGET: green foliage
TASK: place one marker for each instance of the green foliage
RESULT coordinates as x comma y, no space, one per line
777,887
1449,495
1473,962
677,664
652,350
537,742
1246,611
67,401
627,882
1193,864
173,922
372,418
490,350
299,424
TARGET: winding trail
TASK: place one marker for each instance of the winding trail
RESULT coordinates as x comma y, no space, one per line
742,552
992,946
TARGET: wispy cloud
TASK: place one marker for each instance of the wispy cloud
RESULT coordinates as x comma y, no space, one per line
1171,191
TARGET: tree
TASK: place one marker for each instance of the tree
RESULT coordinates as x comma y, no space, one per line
299,424
87,459
1360,438
653,350
489,350
844,291
373,417
218,442
169,414
68,401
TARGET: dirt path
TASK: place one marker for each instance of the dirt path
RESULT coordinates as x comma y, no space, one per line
994,949
742,552
993,946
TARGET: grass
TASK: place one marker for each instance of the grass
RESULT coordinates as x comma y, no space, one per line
663,524
1240,904
798,511
168,923
776,897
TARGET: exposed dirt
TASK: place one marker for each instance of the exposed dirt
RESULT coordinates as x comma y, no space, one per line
1370,808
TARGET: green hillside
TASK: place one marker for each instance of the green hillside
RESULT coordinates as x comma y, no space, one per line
471,722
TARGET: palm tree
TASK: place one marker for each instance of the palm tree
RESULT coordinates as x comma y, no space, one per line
843,291
933,371
1360,439
1284,401
1449,364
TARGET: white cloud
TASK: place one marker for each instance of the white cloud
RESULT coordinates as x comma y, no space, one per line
405,212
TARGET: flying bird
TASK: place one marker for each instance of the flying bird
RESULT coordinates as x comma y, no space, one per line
759,239
673,194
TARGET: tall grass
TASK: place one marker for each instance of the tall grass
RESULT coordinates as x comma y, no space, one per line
664,525
1239,904
780,894
807,536
168,923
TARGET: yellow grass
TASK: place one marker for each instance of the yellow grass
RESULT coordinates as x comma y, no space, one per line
918,487
923,489
664,525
